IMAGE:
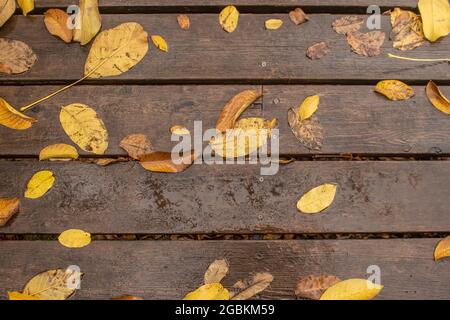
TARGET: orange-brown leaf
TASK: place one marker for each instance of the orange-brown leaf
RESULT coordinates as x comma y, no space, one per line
347,24
298,16
11,118
136,145
8,208
437,98
127,297
183,21
56,22
164,162
312,287
366,44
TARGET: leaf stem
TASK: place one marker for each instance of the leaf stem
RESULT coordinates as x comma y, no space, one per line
390,55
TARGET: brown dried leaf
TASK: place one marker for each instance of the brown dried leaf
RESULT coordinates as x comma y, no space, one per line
407,30
15,56
234,108
347,24
8,208
309,132
7,9
216,271
183,21
366,44
127,297
298,16
56,23
318,50
312,287
104,161
136,145
436,97
394,89
163,162
283,160
250,288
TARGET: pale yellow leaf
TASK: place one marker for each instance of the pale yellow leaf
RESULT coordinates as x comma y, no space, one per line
211,291
13,119
39,184
394,89
26,5
84,127
317,199
160,43
308,107
20,296
352,289
435,17
229,18
74,238
216,271
442,249
90,22
7,9
273,24
179,130
58,152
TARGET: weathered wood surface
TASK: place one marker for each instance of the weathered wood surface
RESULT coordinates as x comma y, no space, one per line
169,270
124,198
206,53
355,119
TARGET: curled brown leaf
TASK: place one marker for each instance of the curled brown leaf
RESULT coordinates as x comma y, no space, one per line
312,287
318,50
249,288
298,16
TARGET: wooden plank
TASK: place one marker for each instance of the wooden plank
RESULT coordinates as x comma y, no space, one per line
124,198
208,54
169,270
355,119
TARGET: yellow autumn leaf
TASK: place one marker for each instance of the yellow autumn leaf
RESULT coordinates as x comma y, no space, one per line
212,291
39,184
84,127
58,152
13,119
26,5
273,24
317,199
352,289
90,22
435,17
179,130
437,99
160,43
229,18
308,107
20,296
394,89
7,9
74,238
442,249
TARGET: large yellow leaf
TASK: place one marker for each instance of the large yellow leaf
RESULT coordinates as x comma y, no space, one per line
20,296
11,118
229,18
352,289
39,184
308,107
442,249
435,17
26,5
160,43
74,238
7,8
57,284
317,199
90,22
437,99
84,127
58,152
117,50
394,89
212,291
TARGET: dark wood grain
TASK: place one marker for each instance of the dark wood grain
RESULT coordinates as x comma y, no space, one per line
208,54
124,198
169,270
355,119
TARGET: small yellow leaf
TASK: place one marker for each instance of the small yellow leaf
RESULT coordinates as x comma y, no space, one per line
179,130
212,291
26,5
20,296
317,199
435,17
394,89
74,238
229,18
39,184
442,249
160,43
58,152
273,24
308,107
436,97
352,289
13,119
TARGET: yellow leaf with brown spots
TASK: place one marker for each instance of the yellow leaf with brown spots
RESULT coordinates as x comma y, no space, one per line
229,18
394,89
407,30
53,284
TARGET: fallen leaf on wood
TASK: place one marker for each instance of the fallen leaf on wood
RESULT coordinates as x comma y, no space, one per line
7,9
312,287
407,30
127,297
74,238
366,44
57,284
308,107
234,108
347,24
318,50
216,271
179,130
15,56
56,23
435,17
273,24
352,289
39,184
317,199
228,18
8,208
183,21
437,99
104,161
211,291
252,287
160,43
163,162
308,132
442,249
13,119
20,296
283,160
136,145
297,16
394,89
83,126
90,22
26,5
58,152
